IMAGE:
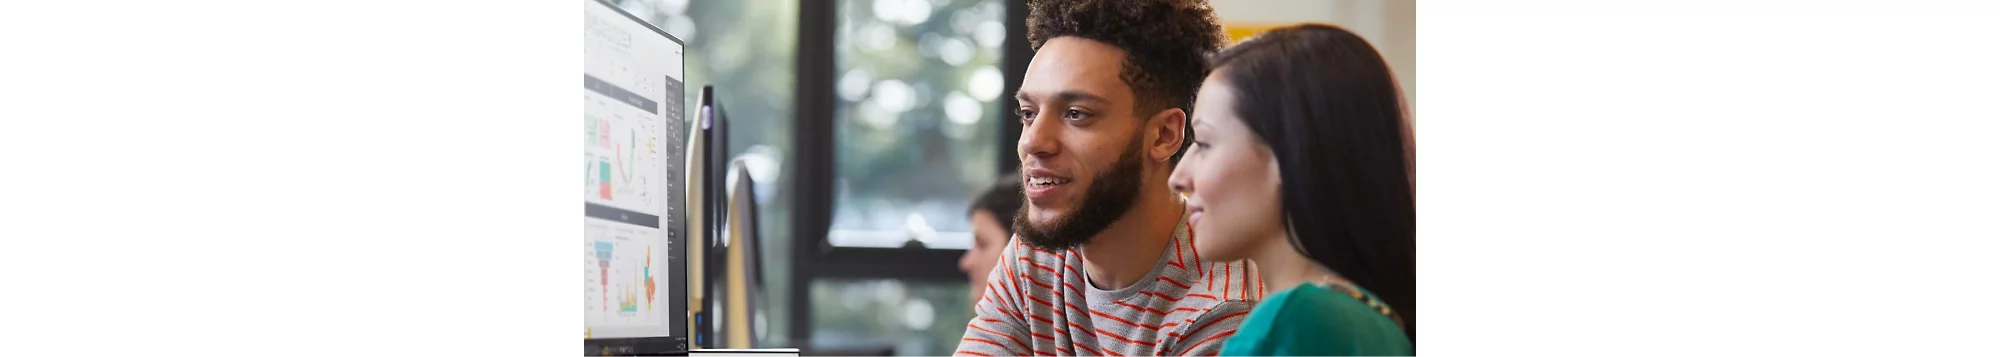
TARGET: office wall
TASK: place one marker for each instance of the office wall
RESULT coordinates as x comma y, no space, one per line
1390,25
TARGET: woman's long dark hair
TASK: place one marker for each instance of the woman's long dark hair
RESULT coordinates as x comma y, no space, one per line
1325,102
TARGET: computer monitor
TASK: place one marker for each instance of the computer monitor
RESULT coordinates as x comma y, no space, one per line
707,144
634,245
741,289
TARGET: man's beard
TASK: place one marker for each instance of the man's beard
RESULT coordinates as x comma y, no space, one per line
1110,195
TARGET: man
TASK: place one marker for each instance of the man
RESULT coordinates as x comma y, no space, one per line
1102,261
990,215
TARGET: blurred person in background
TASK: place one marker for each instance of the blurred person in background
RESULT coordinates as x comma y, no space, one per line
1102,261
990,215
1301,164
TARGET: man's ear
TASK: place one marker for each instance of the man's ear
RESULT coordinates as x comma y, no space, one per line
1164,134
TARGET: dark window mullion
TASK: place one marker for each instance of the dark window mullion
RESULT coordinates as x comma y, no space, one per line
1014,57
812,156
905,264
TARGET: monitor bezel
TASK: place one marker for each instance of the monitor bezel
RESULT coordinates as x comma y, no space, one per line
675,342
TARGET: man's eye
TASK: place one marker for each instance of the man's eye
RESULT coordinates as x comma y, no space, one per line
1074,114
1026,115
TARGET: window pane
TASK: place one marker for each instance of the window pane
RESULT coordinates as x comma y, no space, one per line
746,49
911,318
917,83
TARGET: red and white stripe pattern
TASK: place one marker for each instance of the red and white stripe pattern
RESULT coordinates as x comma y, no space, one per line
1038,303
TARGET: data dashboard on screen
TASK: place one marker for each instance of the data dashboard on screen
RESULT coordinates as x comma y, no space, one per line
632,194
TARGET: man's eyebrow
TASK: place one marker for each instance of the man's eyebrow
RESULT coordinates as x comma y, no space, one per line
1072,96
1068,96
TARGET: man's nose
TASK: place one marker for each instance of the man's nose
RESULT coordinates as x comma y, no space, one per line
1038,138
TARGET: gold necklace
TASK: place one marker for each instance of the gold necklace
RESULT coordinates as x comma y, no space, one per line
1335,283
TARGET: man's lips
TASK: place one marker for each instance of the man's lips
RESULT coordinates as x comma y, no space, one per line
1039,184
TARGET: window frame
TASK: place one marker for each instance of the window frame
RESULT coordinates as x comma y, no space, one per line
812,159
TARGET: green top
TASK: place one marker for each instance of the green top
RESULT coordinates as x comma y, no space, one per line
1314,320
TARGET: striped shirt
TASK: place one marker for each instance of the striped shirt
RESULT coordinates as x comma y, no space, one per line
1038,302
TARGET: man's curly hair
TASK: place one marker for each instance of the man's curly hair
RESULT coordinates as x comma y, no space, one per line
1166,43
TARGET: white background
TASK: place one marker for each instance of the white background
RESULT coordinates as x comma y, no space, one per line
1596,177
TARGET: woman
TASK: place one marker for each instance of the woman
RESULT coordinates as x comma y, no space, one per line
991,214
1300,164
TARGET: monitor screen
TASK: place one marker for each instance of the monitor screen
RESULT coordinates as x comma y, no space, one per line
633,251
